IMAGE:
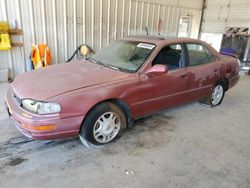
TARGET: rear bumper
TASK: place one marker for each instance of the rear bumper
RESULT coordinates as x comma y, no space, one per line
233,81
29,124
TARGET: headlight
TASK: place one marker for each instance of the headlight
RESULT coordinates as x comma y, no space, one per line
41,107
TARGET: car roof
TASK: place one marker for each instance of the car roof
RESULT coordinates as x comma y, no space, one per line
158,40
161,41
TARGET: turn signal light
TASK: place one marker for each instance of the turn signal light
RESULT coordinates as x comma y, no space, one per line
40,128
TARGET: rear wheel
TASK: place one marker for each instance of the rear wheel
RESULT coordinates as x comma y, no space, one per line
103,124
216,96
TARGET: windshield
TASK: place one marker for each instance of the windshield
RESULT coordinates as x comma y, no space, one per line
126,56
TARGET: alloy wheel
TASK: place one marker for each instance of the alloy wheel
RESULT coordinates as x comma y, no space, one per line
217,95
106,127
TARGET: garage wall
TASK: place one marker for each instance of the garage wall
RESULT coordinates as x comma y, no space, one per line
65,24
226,13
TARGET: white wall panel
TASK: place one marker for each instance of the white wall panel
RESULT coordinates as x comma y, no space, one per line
226,13
65,24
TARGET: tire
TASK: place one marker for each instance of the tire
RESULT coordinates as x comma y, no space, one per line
216,96
103,124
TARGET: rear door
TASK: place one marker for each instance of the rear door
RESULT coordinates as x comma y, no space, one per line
202,70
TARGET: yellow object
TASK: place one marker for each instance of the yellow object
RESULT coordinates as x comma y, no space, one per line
84,50
4,26
5,42
40,56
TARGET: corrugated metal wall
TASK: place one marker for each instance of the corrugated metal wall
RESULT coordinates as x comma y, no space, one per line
65,24
226,13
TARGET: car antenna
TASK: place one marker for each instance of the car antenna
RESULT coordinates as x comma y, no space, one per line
146,29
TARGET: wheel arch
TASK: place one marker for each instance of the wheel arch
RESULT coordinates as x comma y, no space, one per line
225,83
120,103
124,107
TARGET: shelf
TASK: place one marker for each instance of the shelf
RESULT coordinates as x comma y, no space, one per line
15,31
16,44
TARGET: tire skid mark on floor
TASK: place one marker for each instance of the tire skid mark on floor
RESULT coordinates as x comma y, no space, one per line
22,145
12,162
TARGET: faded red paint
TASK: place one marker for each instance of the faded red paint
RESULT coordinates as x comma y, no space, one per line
79,86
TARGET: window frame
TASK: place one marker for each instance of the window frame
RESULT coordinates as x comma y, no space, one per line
206,50
183,54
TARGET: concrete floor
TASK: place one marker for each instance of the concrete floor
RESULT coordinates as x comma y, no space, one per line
188,146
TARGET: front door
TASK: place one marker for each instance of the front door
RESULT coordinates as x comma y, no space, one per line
158,92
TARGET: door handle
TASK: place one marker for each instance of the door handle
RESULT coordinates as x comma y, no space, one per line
183,76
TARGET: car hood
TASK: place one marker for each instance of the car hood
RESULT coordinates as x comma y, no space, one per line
54,80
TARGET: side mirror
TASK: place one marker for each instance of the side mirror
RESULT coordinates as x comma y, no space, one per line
157,69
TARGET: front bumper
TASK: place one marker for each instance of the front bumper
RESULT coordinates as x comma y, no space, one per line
30,124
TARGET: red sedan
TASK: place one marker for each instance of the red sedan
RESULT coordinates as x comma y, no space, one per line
97,99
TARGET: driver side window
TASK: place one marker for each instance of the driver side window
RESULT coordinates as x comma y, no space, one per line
171,56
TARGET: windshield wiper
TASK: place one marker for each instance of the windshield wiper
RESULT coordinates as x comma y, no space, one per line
107,65
93,60
112,67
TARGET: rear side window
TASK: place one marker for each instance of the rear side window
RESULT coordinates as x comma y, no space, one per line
210,54
197,55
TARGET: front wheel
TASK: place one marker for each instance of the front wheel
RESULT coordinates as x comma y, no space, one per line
103,124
